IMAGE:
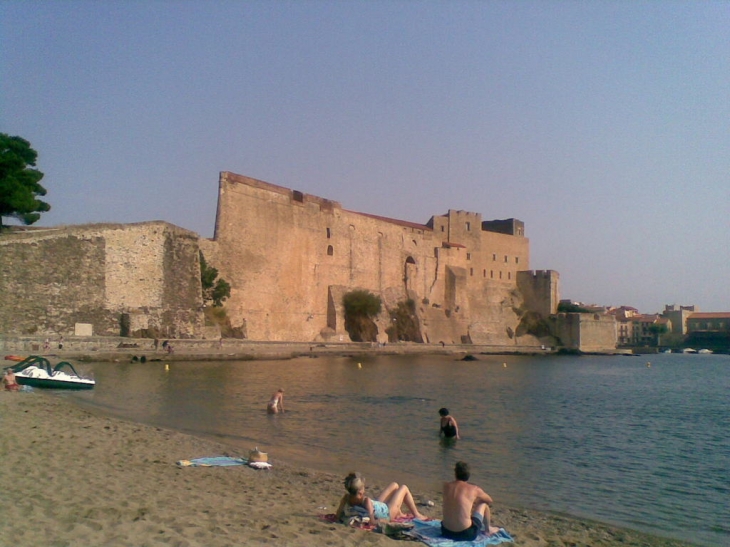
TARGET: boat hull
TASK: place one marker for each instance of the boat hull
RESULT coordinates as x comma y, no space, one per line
51,384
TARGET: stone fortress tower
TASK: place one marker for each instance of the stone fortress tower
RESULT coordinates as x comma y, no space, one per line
290,257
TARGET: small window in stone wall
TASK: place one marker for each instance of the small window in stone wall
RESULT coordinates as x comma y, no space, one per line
471,271
468,226
505,259
494,257
468,256
517,260
500,275
491,274
485,273
297,196
329,233
509,275
330,250
442,228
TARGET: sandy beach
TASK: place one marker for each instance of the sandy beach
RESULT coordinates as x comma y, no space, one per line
75,478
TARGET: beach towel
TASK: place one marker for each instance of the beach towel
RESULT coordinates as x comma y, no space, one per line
429,532
217,461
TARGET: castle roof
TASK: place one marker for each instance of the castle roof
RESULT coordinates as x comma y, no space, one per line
405,223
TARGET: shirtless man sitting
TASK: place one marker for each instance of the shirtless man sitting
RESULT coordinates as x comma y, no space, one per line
466,508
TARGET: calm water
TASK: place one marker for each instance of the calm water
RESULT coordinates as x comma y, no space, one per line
607,438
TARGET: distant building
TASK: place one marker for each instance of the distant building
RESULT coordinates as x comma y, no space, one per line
709,330
708,322
678,315
624,325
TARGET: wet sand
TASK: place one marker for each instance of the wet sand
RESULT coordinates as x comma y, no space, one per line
71,477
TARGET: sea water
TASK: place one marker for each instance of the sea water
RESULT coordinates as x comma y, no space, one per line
641,442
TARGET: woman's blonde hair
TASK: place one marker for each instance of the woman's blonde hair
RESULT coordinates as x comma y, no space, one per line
354,482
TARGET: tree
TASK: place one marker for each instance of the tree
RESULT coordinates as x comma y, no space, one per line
565,307
214,290
360,308
658,329
19,183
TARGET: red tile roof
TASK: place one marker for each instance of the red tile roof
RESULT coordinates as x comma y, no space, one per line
710,315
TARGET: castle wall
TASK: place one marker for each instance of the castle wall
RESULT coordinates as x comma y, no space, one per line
586,332
283,251
137,277
540,290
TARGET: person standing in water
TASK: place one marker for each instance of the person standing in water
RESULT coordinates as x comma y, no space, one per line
276,403
448,428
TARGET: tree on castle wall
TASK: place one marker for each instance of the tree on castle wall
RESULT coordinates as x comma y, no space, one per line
19,182
360,309
214,290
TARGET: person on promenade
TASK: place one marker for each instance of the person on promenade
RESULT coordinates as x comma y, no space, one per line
276,403
466,508
11,384
448,428
387,507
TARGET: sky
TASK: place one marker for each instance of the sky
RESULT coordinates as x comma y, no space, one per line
603,125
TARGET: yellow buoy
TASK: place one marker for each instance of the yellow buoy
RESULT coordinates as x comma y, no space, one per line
167,367
648,364
359,365
504,365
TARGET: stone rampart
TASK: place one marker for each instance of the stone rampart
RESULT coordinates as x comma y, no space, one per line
586,332
135,279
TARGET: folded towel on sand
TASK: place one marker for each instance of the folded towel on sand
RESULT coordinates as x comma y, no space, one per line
217,461
429,532
259,465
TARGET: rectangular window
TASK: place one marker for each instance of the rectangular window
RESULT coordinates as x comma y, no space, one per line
329,234
468,226
494,257
471,271
505,259
517,260
468,256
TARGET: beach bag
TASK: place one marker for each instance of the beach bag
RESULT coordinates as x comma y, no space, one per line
256,455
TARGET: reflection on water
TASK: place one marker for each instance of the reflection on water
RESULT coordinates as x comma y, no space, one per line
601,437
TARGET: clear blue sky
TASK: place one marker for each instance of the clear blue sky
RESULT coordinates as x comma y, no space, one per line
603,125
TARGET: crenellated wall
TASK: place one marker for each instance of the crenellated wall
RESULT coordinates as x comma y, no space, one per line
133,279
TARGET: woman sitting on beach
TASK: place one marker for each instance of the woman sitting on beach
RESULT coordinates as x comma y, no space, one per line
276,403
387,507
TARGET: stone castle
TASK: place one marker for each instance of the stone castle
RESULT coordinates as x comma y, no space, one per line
289,257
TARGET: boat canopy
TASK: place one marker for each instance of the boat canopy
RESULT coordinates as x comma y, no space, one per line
42,363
